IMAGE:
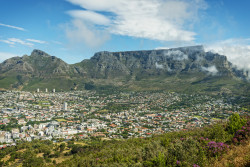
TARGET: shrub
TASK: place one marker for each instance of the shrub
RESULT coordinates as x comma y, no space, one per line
216,149
77,148
33,161
235,123
242,135
186,151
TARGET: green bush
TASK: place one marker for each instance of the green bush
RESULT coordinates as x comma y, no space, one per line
235,123
187,150
33,161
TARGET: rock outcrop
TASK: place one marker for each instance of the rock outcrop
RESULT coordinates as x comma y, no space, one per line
113,66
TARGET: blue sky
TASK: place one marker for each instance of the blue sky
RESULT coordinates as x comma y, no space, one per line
74,30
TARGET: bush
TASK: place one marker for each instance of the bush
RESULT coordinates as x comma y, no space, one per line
218,133
242,134
186,150
62,147
235,123
33,161
216,149
77,148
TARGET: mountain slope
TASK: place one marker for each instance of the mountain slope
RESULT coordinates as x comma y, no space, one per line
19,71
185,68
38,63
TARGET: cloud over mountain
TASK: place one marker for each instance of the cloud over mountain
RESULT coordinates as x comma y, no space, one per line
150,19
236,50
212,70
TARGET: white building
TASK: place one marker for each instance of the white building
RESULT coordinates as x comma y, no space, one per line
65,106
28,139
41,133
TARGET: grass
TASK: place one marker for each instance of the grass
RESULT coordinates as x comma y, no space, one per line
62,158
216,119
61,120
60,84
6,82
40,155
197,116
6,158
81,143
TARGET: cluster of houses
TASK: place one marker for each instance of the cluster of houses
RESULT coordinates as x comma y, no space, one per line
83,114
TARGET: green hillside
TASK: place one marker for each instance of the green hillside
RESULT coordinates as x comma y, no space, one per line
187,71
223,144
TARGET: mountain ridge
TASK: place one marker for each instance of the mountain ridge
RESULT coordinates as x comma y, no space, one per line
127,68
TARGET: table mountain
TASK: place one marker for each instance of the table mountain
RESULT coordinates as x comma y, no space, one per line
156,62
187,67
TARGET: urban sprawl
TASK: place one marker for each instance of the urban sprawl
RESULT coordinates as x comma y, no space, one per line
86,114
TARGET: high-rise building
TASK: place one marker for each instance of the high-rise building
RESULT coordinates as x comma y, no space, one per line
38,90
54,90
65,106
46,90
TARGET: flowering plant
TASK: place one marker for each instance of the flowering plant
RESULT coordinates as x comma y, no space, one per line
216,149
241,135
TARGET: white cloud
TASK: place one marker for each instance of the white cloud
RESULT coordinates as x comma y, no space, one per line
36,41
14,27
97,5
7,41
13,41
176,54
90,16
163,20
5,55
28,42
179,11
236,50
212,69
79,32
161,48
159,66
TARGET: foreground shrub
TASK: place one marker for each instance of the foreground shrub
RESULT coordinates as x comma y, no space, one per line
235,123
216,149
242,135
187,151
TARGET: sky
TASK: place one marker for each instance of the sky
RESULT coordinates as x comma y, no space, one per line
74,30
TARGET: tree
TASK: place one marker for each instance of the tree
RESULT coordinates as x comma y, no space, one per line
235,123
62,147
33,161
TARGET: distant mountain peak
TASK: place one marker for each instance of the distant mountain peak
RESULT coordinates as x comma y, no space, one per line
37,52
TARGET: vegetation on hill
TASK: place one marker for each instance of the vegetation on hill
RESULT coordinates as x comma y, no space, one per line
222,144
180,69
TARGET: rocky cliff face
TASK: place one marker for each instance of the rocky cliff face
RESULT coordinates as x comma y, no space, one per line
38,63
156,62
113,66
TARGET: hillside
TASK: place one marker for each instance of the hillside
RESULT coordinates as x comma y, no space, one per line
185,69
223,144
